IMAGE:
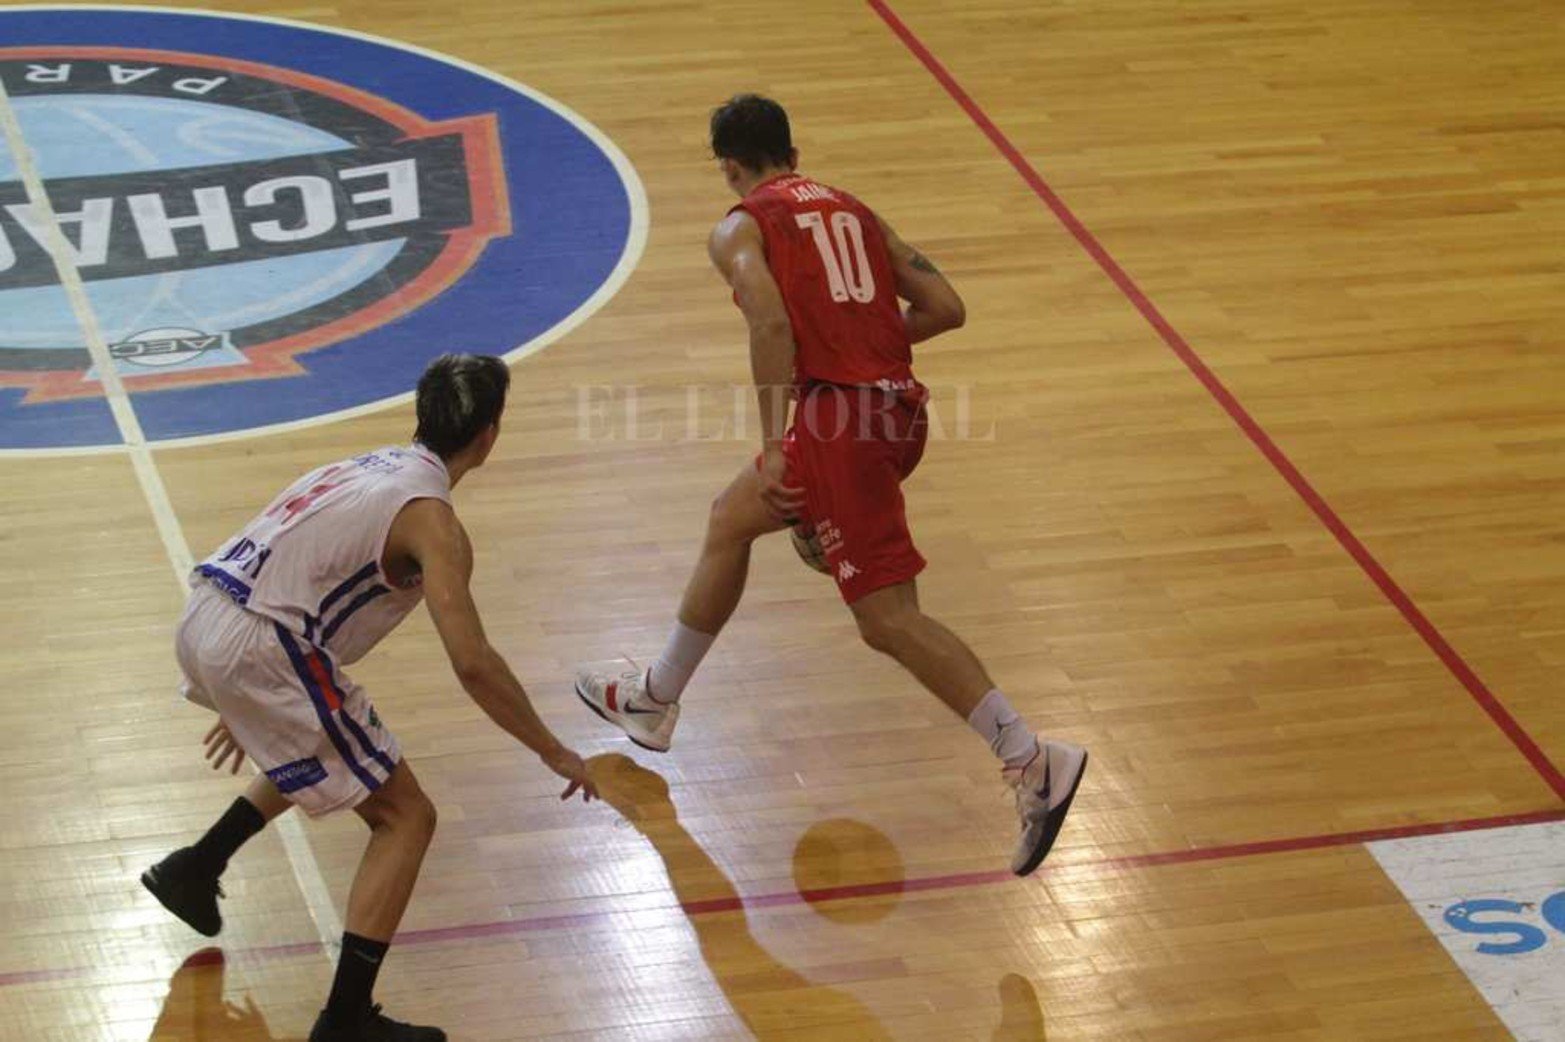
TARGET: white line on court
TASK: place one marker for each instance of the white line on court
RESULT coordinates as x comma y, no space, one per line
305,868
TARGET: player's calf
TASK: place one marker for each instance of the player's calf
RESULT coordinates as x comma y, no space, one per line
1043,773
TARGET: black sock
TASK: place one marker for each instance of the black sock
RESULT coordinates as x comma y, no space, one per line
238,823
357,969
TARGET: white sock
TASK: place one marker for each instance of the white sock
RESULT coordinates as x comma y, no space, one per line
997,723
681,655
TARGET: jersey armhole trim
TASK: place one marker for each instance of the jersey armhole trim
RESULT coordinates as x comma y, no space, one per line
391,519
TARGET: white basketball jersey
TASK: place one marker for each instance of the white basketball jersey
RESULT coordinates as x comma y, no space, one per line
312,560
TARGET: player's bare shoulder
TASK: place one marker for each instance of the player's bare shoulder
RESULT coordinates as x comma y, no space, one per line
426,529
736,232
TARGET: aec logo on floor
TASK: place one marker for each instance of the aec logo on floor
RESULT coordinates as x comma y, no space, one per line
274,222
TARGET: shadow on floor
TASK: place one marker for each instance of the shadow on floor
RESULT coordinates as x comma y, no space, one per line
196,1012
776,1002
1021,1015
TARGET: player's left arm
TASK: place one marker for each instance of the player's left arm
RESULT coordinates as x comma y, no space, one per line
739,253
934,306
427,531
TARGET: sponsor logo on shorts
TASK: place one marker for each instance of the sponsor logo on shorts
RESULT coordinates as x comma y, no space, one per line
829,535
846,571
301,774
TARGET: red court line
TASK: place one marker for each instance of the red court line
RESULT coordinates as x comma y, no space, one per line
1332,839
788,898
1290,473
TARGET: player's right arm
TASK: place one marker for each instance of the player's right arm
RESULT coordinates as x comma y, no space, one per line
428,532
738,251
934,307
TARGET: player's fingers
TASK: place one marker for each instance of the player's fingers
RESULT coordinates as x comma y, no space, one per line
782,509
239,759
213,733
787,494
570,790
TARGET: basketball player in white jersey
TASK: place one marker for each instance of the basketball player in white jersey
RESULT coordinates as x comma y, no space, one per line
314,582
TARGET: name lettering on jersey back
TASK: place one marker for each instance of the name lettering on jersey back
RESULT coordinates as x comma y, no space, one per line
379,464
247,557
811,192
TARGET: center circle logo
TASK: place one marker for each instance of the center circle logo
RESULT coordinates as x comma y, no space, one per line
260,222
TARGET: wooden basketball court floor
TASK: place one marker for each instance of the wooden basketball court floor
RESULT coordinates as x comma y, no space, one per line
1260,498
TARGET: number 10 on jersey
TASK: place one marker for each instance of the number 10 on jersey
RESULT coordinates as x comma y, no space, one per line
848,272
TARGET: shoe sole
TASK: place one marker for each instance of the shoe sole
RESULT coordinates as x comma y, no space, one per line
149,879
1053,824
603,714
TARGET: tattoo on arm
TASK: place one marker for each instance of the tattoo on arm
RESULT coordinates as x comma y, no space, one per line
923,263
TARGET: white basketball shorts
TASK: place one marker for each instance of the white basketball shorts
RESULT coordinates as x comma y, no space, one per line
311,729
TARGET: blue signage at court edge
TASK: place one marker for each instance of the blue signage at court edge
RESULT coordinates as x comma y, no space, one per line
261,222
1506,924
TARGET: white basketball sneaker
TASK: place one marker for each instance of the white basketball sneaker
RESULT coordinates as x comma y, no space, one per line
625,702
1044,788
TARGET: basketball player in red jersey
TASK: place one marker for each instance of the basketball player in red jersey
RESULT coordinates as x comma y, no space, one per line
818,276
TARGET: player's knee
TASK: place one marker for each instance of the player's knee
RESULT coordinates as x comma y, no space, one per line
401,806
423,816
415,815
414,810
723,522
885,632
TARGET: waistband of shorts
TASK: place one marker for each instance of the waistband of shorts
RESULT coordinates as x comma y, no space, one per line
210,577
915,394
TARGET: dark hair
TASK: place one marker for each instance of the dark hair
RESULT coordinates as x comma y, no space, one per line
752,130
458,397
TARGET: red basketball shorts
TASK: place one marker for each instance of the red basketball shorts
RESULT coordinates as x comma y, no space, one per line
850,449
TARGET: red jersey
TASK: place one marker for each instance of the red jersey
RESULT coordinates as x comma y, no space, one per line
830,260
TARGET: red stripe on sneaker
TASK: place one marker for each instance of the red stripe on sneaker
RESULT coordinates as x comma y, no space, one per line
608,696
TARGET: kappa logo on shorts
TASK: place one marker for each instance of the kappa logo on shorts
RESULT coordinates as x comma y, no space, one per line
846,571
239,195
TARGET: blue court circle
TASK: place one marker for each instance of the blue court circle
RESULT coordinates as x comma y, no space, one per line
576,210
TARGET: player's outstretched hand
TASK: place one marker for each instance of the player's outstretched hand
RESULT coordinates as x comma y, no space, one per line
220,745
569,766
781,500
